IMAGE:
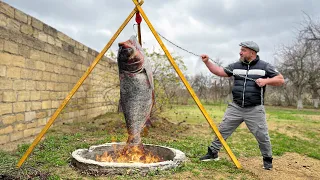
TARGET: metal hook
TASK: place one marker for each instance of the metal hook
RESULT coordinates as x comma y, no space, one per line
135,29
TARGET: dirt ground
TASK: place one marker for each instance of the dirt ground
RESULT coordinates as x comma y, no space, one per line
291,166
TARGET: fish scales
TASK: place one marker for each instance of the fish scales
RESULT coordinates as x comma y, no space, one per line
136,88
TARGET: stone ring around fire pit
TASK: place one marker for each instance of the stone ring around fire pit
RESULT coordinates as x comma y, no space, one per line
84,160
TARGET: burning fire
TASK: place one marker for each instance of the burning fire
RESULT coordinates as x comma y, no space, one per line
128,154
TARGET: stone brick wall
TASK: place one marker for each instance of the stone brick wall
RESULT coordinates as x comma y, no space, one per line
38,68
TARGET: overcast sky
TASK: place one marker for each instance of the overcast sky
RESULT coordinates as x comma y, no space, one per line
213,27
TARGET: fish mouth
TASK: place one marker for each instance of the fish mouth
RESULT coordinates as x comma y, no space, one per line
129,59
125,51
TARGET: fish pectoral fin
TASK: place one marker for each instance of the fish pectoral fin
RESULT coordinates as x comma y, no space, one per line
145,131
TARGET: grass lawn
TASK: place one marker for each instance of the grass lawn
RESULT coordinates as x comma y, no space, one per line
294,136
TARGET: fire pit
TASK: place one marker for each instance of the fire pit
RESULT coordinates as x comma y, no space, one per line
85,160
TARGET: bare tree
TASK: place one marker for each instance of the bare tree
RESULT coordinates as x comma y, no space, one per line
295,67
314,77
310,33
222,86
310,30
201,84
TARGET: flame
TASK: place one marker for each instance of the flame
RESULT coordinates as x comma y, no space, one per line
129,154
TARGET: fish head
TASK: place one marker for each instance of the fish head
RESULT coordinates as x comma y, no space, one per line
126,51
130,57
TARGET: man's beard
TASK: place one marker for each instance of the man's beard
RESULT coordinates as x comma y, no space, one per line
244,59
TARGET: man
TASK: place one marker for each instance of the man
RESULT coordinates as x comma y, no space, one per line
251,75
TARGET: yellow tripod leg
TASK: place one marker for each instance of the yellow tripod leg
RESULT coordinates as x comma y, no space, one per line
74,89
175,66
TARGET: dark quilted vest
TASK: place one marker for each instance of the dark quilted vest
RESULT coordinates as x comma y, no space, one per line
246,93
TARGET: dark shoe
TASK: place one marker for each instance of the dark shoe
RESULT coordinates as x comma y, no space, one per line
267,163
210,156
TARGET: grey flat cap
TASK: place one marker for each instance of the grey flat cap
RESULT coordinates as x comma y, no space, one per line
251,45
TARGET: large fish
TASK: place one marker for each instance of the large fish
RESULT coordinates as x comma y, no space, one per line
136,88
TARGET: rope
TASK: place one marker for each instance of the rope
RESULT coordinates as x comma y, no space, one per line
209,58
235,74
